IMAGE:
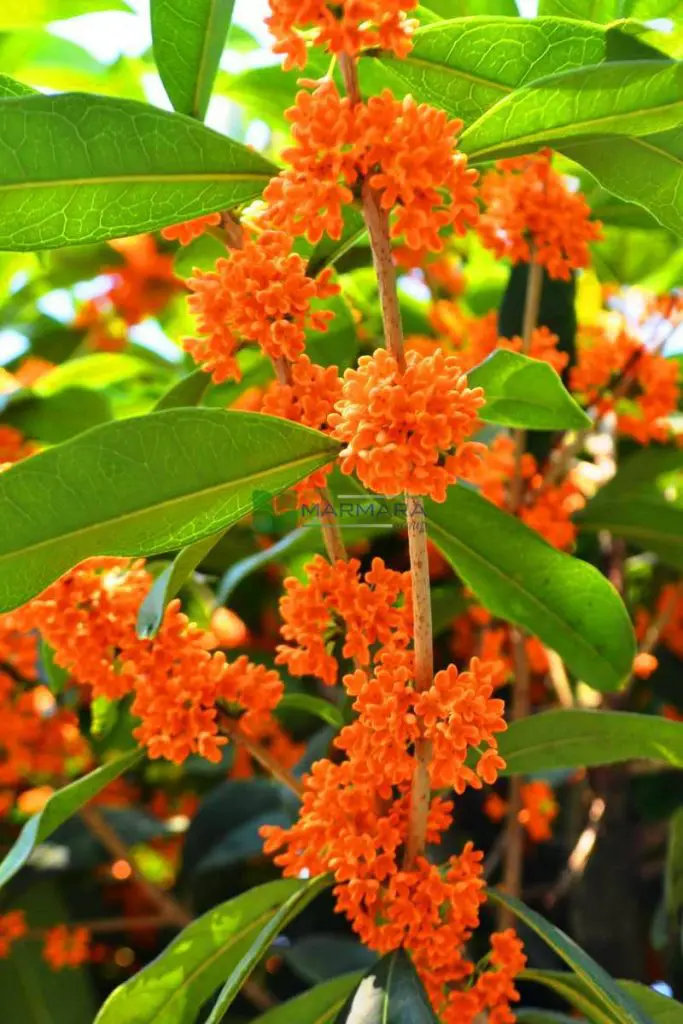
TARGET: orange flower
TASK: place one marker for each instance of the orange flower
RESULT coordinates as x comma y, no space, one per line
190,229
13,446
343,26
532,215
495,807
145,282
539,810
620,374
406,430
406,151
12,927
66,947
644,665
260,293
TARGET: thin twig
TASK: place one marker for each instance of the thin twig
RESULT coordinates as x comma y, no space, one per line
232,729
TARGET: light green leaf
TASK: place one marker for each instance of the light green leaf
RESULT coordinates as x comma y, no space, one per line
59,808
629,98
173,987
16,14
575,738
610,10
320,1005
188,391
99,370
188,41
389,993
103,715
467,65
660,1009
143,486
673,876
169,583
603,989
458,8
78,168
643,504
317,706
241,969
10,88
526,393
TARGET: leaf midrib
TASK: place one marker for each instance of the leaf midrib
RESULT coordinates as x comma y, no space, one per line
139,513
395,66
121,179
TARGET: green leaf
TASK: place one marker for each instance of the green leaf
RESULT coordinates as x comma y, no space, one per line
201,254
673,876
457,8
629,98
465,66
262,943
55,676
603,988
143,486
78,168
659,1008
315,706
188,391
169,583
59,417
301,539
643,503
10,88
173,987
390,993
103,715
320,1005
188,41
518,577
96,371
610,10
16,14
526,393
532,1016
320,957
59,808
575,738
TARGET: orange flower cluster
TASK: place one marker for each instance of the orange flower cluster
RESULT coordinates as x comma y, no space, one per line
188,230
13,446
532,216
12,927
66,947
88,617
354,815
548,511
476,631
539,810
145,282
405,151
620,374
260,293
340,26
670,609
406,430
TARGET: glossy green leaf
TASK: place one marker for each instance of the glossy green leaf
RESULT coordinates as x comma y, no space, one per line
609,10
188,41
188,391
320,1005
658,1008
605,991
302,539
16,14
629,98
526,393
466,65
59,808
143,486
11,89
173,987
99,370
169,583
576,738
78,168
673,876
565,602
389,993
643,504
317,706
458,8
262,943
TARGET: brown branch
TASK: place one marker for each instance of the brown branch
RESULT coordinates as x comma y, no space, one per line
231,728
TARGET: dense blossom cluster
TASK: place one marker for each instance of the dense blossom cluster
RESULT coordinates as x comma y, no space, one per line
531,215
188,230
339,26
406,152
406,430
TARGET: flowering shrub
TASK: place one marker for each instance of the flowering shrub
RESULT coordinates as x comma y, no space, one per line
340,521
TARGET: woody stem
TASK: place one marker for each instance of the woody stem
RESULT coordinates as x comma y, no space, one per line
521,699
377,222
232,729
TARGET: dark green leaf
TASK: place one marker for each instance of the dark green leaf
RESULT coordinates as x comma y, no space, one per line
575,738
188,41
262,943
173,987
531,1016
96,371
390,993
658,1008
143,486
317,958
524,392
603,989
188,391
169,583
58,417
557,309
59,808
320,1005
302,539
315,706
673,879
78,168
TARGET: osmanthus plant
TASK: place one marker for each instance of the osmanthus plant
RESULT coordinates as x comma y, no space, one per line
374,578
